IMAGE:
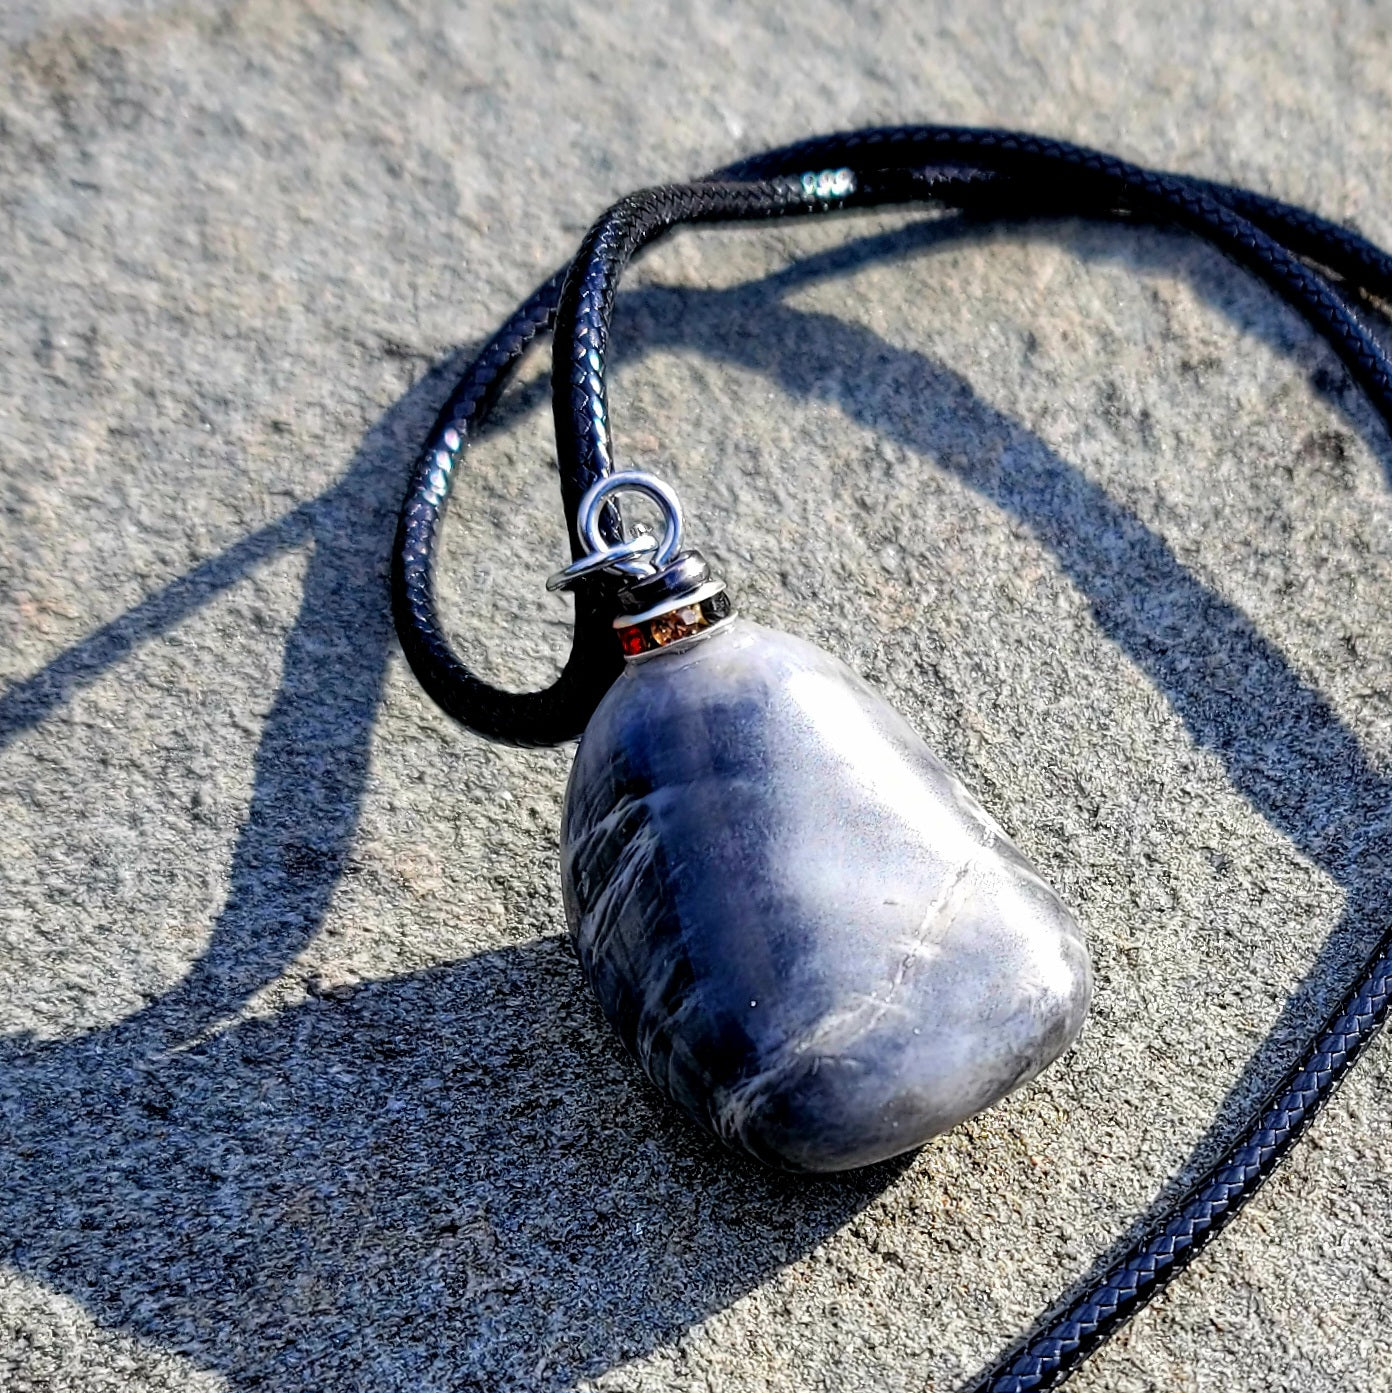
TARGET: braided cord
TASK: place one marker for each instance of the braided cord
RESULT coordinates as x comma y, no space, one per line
988,172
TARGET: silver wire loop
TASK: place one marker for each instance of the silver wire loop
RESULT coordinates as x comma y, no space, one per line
631,481
640,555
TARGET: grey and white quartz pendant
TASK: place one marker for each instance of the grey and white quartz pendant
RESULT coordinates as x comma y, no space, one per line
809,934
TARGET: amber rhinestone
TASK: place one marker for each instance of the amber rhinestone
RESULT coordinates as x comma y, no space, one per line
665,628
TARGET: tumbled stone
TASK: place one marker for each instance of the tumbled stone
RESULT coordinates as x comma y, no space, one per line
810,935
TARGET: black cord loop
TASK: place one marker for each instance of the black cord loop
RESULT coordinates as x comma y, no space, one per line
1317,266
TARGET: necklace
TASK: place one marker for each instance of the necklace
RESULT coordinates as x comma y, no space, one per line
812,938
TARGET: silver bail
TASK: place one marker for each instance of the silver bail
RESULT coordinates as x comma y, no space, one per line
670,598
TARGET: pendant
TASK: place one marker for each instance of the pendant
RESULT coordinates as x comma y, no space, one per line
808,933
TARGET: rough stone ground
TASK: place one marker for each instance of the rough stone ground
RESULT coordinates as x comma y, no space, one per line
300,1087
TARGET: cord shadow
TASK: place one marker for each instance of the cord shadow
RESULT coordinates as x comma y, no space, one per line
1281,743
269,1196
461,1158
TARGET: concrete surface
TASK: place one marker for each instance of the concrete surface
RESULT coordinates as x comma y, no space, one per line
300,1086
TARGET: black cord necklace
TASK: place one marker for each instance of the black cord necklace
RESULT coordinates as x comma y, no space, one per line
812,938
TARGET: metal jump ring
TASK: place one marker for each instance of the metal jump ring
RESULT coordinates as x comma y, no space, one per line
631,555
620,555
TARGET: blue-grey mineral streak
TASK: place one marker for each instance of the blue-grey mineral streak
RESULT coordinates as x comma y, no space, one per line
809,934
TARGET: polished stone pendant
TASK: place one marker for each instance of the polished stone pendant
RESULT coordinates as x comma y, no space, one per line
811,937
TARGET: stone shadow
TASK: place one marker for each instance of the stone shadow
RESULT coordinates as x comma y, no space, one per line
453,1179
